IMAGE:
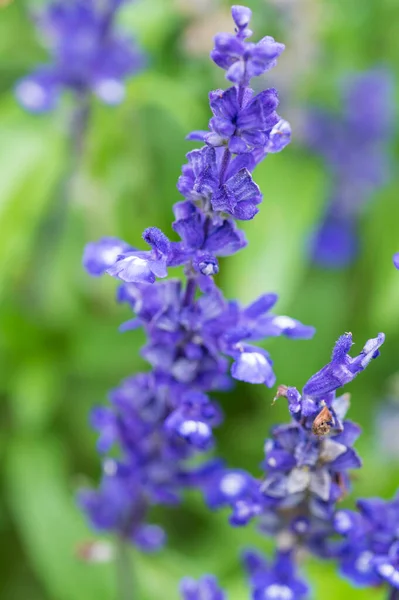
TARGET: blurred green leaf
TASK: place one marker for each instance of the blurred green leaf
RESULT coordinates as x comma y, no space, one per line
276,257
30,165
41,502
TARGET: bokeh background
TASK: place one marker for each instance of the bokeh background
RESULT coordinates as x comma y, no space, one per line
60,350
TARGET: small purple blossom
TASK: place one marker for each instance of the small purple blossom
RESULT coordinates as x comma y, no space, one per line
243,60
396,260
342,369
277,580
88,54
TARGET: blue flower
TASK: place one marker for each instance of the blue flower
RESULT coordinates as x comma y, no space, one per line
277,580
369,555
396,260
196,340
342,369
307,461
242,126
136,266
88,54
365,121
243,60
205,588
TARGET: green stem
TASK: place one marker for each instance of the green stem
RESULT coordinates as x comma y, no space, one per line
123,571
51,229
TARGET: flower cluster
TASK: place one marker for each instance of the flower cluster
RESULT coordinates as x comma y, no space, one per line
277,580
88,54
365,123
197,341
369,556
307,461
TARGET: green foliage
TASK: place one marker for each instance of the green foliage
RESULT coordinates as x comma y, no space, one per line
59,347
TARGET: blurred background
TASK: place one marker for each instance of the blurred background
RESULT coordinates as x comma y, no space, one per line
60,350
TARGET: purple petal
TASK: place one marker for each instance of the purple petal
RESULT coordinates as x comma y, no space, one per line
241,15
132,269
39,92
100,256
149,538
253,367
279,137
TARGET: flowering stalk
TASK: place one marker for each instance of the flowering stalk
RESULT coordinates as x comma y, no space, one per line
365,122
89,55
124,571
197,342
307,466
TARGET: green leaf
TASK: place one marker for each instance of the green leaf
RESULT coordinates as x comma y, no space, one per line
276,257
30,164
33,390
49,524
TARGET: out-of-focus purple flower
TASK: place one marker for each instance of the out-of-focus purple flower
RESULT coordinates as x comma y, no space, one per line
396,260
206,588
88,54
99,256
277,580
369,555
366,122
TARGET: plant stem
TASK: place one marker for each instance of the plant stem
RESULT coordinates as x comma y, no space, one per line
123,571
51,228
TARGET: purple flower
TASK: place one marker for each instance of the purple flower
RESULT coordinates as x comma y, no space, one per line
243,60
100,256
235,194
334,243
88,54
369,555
307,461
365,120
396,260
206,588
243,125
275,581
136,266
342,369
196,341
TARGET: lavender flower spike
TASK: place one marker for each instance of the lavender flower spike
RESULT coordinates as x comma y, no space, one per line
216,183
88,55
197,341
